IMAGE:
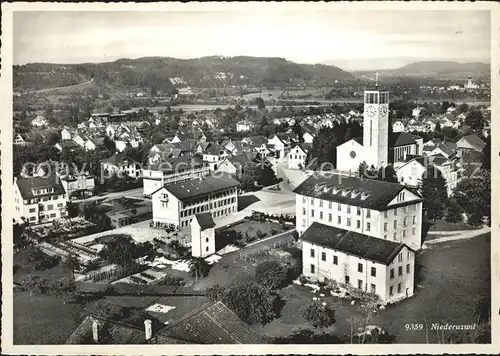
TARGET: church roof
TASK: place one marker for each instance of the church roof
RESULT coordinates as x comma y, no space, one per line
366,193
353,243
205,220
402,139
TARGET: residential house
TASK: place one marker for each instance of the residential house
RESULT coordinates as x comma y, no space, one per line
308,137
214,155
83,183
66,134
244,126
470,143
93,143
403,143
67,146
398,126
234,165
178,203
39,121
39,199
296,158
79,139
121,165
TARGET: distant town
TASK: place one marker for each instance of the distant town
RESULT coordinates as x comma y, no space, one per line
302,204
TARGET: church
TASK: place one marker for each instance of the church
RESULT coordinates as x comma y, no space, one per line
377,147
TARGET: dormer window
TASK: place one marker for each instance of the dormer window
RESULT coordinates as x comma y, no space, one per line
364,196
335,190
354,194
344,192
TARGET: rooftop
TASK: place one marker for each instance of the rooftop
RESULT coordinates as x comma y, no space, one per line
205,220
366,193
200,187
26,186
402,139
350,242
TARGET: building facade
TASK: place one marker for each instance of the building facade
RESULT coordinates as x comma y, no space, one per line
178,203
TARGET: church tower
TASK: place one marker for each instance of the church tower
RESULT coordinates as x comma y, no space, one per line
376,126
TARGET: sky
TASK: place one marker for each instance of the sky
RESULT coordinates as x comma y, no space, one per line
352,40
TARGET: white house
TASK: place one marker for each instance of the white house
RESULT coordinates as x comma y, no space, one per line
308,138
398,126
381,267
214,155
202,235
79,140
65,134
120,145
178,203
279,146
39,199
39,121
121,165
296,158
244,126
78,182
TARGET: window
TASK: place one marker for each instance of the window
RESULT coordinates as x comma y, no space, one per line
303,199
368,226
372,288
414,208
312,253
335,260
321,215
399,287
50,207
395,224
405,209
358,211
329,205
385,226
312,213
206,240
329,217
394,236
323,256
321,203
404,233
312,268
385,237
53,215
414,220
303,211
348,209
360,284
391,290
368,213
59,205
339,207
32,210
348,222
385,214
303,222
392,273
373,272
339,220
360,267
408,268
358,224
206,249
312,201
32,218
413,231
404,222
400,257
396,212
400,270
346,279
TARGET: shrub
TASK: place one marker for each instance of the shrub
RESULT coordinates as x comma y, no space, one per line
303,279
318,315
271,274
170,280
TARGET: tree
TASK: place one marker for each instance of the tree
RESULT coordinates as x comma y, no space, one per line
34,284
271,274
109,144
297,129
433,188
387,174
453,212
475,120
251,302
438,127
64,288
74,263
319,315
249,176
473,194
199,268
123,251
267,176
261,105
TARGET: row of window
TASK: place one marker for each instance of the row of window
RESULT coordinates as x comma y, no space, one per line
209,197
373,270
339,207
206,207
405,223
215,214
347,280
400,271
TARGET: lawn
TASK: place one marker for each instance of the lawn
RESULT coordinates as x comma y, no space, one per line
442,225
250,231
452,277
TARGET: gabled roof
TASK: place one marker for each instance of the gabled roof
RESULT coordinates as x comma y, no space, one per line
372,194
199,187
214,323
475,141
215,150
402,139
243,158
118,159
98,141
26,186
205,220
256,140
353,243
177,164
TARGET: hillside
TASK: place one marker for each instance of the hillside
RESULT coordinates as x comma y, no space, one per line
158,73
437,70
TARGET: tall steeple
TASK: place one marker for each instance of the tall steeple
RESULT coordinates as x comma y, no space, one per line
376,125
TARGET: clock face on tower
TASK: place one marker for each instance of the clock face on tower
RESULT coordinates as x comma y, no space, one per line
352,154
383,110
371,110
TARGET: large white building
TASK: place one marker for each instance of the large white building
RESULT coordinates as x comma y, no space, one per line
178,203
38,199
171,171
360,221
381,267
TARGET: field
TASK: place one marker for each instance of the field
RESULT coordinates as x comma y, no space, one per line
452,278
441,225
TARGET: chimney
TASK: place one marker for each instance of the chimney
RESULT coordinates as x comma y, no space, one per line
148,329
95,330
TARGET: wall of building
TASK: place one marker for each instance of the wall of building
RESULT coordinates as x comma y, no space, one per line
165,211
39,210
406,279
202,242
345,161
296,158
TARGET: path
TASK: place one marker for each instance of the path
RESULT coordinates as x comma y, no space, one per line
58,88
457,235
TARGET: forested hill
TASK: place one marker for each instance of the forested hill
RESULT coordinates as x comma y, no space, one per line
160,72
